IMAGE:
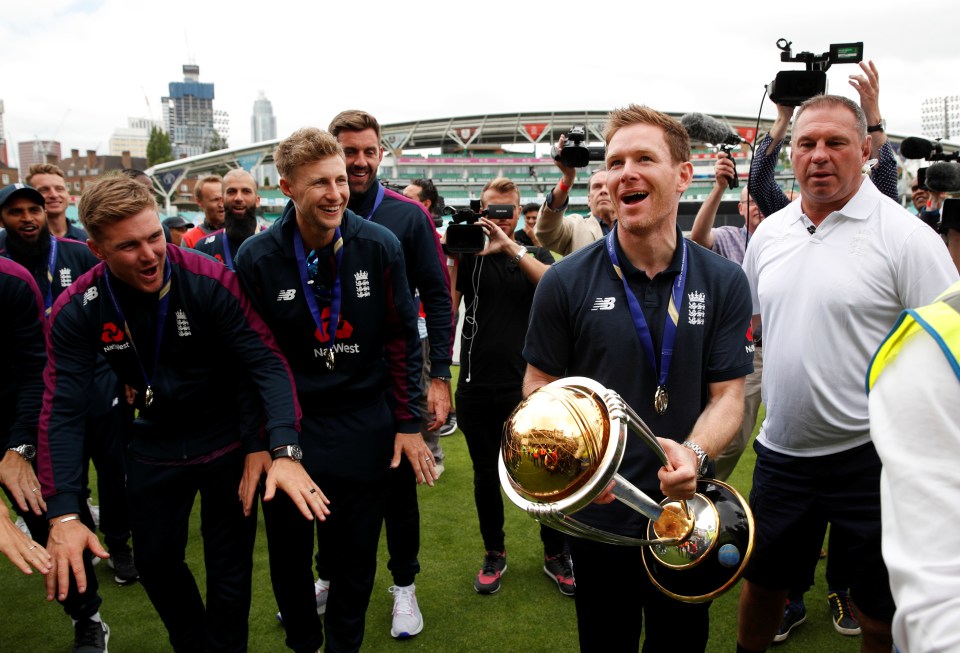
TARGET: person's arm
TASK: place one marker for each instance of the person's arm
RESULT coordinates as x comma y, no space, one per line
25,349
868,87
433,283
764,190
500,242
250,341
923,569
702,230
68,376
534,379
21,550
404,356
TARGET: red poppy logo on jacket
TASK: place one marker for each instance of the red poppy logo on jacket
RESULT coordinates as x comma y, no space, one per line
111,333
750,333
344,328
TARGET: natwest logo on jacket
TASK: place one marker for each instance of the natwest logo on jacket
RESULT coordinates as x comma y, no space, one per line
344,328
111,333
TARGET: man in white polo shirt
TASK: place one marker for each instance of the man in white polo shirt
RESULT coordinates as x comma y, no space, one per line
829,276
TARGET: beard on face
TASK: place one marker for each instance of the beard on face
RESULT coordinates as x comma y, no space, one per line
240,226
27,252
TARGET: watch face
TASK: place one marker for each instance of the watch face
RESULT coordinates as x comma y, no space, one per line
28,451
296,452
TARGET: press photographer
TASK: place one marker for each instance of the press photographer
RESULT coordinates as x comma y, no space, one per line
567,233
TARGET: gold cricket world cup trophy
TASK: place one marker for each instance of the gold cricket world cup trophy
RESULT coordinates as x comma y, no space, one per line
561,448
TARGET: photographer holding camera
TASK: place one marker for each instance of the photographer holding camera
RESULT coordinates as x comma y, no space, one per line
497,285
567,233
763,187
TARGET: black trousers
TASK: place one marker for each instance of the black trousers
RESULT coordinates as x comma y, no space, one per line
614,596
104,446
348,457
78,606
161,499
481,417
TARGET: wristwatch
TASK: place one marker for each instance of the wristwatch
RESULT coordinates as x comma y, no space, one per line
520,254
28,451
292,451
879,127
702,459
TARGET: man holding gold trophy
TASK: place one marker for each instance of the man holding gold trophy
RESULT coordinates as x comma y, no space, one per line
664,323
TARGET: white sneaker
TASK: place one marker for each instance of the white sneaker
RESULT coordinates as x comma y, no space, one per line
322,588
94,512
407,620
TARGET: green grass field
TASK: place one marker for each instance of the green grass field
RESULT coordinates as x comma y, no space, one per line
527,615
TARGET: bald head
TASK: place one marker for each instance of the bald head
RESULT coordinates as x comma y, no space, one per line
240,192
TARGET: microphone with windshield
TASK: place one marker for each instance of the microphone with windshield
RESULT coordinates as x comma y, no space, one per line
706,129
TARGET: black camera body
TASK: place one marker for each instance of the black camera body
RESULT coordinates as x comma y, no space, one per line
464,235
793,87
574,153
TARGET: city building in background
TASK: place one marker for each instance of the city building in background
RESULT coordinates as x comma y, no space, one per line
189,117
134,137
940,117
263,127
81,171
36,151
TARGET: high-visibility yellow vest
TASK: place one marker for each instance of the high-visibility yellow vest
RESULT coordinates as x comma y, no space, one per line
940,319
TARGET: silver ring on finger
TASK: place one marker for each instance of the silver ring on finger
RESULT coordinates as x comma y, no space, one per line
35,490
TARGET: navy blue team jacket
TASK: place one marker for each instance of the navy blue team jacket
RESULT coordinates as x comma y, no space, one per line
377,346
212,342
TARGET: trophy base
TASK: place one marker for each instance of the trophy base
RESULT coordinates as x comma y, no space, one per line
711,560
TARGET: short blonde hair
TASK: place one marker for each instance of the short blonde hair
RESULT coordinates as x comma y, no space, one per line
44,169
304,146
110,199
501,185
678,141
209,179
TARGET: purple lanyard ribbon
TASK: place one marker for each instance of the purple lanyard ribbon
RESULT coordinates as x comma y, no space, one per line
308,289
163,306
376,202
640,322
51,266
227,258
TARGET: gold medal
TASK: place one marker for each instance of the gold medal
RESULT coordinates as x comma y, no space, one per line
330,360
148,397
661,400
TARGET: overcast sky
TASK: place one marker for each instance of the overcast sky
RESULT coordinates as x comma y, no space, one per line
74,70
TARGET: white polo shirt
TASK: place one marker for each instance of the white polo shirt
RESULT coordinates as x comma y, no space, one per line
827,301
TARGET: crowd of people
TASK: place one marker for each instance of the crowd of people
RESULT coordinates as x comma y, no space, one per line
330,333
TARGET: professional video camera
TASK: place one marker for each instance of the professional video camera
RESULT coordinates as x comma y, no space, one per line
943,176
793,87
464,235
574,153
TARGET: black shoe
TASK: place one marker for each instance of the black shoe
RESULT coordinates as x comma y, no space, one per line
124,571
90,636
794,614
488,578
842,613
560,569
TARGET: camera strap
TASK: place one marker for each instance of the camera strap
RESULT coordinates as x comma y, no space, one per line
308,292
660,398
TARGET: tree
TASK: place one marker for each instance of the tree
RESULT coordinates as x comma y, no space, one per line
158,148
217,142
